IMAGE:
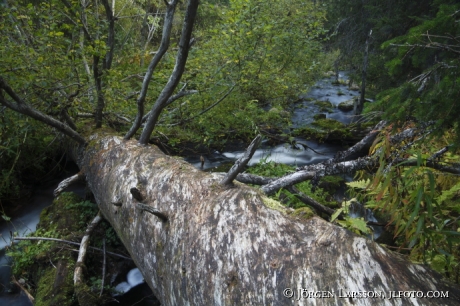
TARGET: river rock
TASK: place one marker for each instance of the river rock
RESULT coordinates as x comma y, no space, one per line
319,116
347,105
282,113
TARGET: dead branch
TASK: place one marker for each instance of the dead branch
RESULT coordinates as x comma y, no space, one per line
67,182
23,289
70,242
241,162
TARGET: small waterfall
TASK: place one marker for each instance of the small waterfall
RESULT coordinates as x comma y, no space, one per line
133,278
357,210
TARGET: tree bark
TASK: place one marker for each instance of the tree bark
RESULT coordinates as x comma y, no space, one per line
228,247
165,39
358,107
179,67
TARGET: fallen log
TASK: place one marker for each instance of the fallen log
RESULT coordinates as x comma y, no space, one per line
234,246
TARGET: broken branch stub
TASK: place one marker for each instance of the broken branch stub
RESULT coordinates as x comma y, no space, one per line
241,162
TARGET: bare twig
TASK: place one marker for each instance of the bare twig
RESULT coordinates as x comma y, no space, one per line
69,242
29,296
103,266
78,274
241,162
67,182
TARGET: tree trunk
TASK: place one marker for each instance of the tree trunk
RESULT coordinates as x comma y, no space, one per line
359,105
212,245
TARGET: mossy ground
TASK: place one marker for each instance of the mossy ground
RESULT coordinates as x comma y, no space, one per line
326,129
48,267
324,106
304,213
284,199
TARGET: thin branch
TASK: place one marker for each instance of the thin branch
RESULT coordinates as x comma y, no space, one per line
111,35
309,201
140,15
241,162
206,109
164,46
174,79
97,75
70,242
103,266
438,153
428,46
177,96
78,274
20,285
67,182
22,107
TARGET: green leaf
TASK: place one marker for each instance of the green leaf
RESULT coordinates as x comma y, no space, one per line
361,184
336,214
359,224
417,207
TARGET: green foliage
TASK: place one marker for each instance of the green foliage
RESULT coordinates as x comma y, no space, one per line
270,49
421,204
20,140
425,63
356,225
86,211
265,52
349,23
26,253
272,169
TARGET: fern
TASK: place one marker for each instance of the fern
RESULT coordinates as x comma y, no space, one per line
449,194
361,184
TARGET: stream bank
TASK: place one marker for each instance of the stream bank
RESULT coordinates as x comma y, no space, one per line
319,129
46,268
298,151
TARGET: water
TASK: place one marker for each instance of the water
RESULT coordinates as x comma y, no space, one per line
133,278
302,154
357,210
26,220
303,113
324,90
23,222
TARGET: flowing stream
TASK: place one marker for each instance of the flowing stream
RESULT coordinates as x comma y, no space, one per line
26,220
302,115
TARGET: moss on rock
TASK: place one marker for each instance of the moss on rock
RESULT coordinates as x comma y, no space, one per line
85,296
273,204
326,129
55,286
324,106
48,265
303,213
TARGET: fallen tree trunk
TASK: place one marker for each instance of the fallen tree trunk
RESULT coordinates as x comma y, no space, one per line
220,246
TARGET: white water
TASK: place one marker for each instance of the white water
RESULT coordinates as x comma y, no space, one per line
302,115
133,278
23,222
